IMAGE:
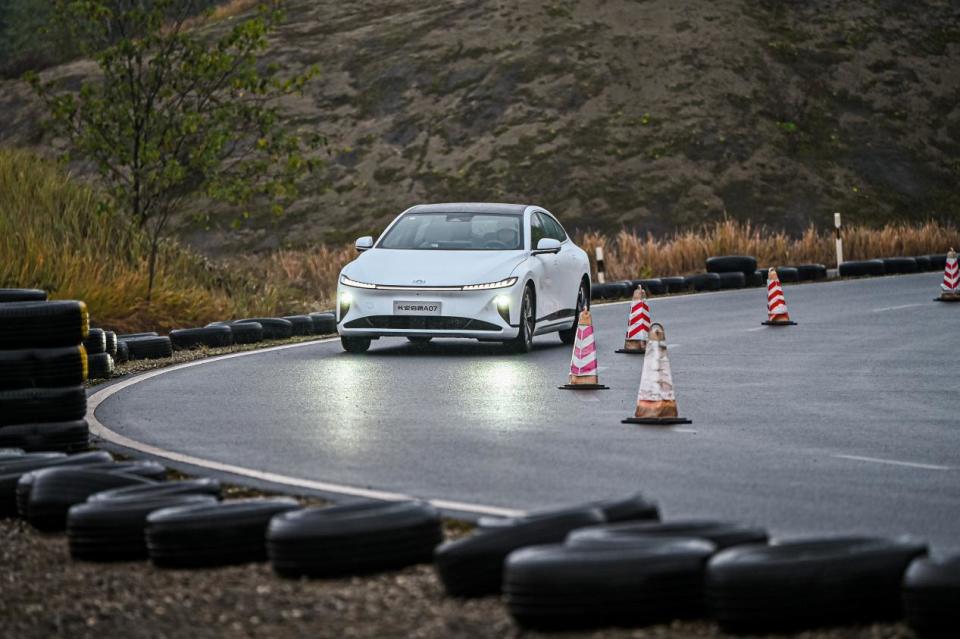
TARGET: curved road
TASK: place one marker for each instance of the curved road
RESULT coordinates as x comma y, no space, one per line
848,422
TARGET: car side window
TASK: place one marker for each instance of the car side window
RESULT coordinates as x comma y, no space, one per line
553,228
537,230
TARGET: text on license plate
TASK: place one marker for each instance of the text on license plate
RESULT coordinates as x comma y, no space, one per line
416,308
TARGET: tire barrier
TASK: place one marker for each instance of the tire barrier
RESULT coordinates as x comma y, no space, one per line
788,274
43,324
923,262
212,336
216,534
810,583
635,507
113,530
65,437
931,590
653,286
22,295
35,405
300,324
638,583
899,265
606,291
203,486
55,490
353,539
811,272
755,279
273,327
11,472
100,366
148,347
862,268
247,333
111,339
42,368
732,280
135,335
675,284
705,282
731,264
324,323
96,341
123,352
473,566
937,261
721,534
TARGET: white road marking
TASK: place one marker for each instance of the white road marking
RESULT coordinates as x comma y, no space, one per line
894,462
685,430
101,431
586,397
758,328
895,308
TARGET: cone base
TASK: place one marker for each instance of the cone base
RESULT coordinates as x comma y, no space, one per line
656,421
779,323
631,352
947,297
584,387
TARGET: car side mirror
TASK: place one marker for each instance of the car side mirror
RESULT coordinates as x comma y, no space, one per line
547,245
364,243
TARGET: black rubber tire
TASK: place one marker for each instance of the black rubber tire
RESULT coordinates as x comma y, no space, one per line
473,566
273,327
788,274
300,324
224,533
900,265
22,295
931,594
96,341
418,339
211,336
114,530
862,268
938,261
353,539
8,453
56,489
149,347
811,272
653,286
721,534
732,280
809,583
42,367
608,291
569,335
111,338
755,279
13,460
324,323
705,281
34,405
146,469
675,284
65,437
923,262
123,352
633,508
245,333
355,345
523,342
100,366
43,324
203,486
731,264
10,473
135,335
651,580
627,287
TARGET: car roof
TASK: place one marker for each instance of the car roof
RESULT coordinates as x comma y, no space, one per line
470,207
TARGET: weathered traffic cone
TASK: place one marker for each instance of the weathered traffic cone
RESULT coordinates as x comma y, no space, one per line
777,314
950,289
583,363
638,325
656,403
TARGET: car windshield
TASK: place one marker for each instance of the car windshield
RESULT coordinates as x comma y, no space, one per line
455,232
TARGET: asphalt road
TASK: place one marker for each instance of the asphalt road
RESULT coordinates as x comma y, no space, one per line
847,422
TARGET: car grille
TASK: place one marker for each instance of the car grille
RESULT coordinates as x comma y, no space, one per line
423,323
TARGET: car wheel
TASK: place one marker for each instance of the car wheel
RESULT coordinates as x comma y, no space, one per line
523,343
355,344
583,302
419,340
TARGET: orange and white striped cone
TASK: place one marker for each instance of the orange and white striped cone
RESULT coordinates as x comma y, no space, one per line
638,325
777,314
583,362
656,402
950,289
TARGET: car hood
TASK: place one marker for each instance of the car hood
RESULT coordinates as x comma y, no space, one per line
436,268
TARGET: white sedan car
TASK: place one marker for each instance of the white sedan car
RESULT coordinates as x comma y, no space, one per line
492,272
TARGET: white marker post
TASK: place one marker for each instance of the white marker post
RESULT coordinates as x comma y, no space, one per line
836,223
600,274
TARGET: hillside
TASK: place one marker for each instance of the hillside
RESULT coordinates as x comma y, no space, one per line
649,115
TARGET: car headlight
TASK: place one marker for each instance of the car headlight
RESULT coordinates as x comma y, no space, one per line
346,281
510,281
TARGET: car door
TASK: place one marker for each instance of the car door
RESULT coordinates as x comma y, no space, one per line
548,290
569,269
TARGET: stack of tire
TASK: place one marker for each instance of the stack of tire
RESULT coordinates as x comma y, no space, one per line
43,365
727,272
146,346
101,347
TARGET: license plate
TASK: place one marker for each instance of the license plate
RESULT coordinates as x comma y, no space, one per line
416,308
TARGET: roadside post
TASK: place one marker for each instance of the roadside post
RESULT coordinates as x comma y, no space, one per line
836,224
601,276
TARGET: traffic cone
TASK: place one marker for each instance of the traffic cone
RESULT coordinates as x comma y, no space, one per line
950,289
777,314
638,325
583,363
656,403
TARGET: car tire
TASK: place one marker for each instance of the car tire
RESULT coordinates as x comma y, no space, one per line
731,280
355,344
55,490
42,367
273,327
721,534
675,284
149,347
210,336
900,265
123,352
324,323
100,366
43,324
64,437
22,295
202,486
862,268
96,341
35,405
569,335
731,264
705,282
300,324
633,508
245,333
523,342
